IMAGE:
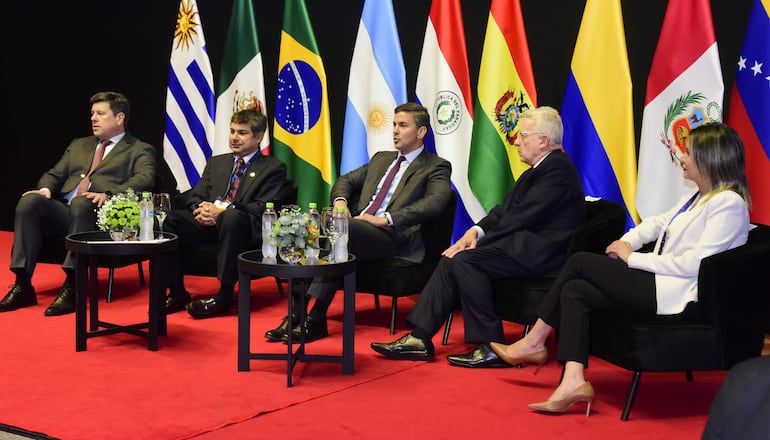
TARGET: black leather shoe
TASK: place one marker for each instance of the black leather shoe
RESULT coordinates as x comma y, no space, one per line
280,333
407,347
18,297
480,357
206,308
175,303
63,304
314,329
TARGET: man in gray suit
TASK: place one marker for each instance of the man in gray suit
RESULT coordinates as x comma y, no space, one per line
225,207
92,168
418,192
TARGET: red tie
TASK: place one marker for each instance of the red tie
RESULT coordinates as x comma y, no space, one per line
385,186
235,179
98,155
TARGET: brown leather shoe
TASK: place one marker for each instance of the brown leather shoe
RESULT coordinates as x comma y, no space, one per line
18,297
63,304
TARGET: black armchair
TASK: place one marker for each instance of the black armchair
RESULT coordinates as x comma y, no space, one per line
518,298
726,326
397,278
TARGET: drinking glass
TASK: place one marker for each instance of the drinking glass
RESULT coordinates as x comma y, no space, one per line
162,202
327,223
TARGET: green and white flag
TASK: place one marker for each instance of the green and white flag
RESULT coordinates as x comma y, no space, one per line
241,81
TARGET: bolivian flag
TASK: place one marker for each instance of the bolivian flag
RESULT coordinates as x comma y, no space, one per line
302,132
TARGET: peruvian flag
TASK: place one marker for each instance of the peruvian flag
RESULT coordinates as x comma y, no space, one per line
684,90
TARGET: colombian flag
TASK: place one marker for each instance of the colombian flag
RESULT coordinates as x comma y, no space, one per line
749,110
302,132
598,108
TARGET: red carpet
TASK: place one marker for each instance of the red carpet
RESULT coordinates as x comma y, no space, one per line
191,388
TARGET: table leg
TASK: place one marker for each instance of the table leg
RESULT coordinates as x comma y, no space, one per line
81,292
93,293
157,324
290,333
349,324
244,321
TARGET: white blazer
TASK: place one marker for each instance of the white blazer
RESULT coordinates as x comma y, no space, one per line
708,227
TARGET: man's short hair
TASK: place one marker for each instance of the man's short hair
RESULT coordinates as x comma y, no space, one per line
254,118
419,113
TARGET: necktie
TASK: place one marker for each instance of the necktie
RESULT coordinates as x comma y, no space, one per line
98,155
385,186
235,179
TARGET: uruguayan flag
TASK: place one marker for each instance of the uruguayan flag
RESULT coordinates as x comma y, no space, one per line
187,143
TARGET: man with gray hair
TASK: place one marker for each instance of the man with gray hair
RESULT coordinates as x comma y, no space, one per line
527,235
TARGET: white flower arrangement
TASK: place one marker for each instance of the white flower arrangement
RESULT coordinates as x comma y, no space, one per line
118,212
295,228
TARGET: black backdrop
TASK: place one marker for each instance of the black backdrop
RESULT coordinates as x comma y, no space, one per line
59,53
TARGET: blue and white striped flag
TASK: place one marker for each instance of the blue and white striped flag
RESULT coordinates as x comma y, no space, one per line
376,86
190,100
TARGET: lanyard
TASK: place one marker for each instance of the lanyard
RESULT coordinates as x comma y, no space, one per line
681,210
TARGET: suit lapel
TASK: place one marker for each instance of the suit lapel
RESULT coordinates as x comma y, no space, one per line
247,179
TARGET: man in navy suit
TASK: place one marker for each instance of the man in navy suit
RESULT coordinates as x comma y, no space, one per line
527,235
419,190
93,167
225,207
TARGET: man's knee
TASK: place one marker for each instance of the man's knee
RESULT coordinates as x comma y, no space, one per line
29,203
82,206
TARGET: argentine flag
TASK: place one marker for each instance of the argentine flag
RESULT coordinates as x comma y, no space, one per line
190,100
377,84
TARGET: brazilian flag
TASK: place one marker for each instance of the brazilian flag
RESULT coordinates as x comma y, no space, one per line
301,131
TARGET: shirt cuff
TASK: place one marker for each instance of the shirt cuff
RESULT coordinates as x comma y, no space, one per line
390,219
479,232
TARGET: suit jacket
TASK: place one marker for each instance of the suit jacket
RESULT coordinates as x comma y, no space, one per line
260,183
539,215
130,164
421,194
716,224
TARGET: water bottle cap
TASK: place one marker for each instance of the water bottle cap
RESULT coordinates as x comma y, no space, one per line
146,194
313,205
269,205
340,209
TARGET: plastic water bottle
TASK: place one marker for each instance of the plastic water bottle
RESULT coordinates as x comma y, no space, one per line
146,217
341,226
315,219
268,218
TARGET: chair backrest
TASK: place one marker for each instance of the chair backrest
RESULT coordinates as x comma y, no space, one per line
437,234
605,222
734,295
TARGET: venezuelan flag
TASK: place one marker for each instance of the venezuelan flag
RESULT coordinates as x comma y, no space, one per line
750,107
598,108
302,132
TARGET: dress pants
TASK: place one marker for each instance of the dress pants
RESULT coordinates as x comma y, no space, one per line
368,243
37,217
593,282
232,234
466,279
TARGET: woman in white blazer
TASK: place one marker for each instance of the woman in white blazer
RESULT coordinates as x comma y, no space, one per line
711,219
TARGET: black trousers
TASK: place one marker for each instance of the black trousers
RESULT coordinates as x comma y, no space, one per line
466,279
232,234
593,282
367,243
37,217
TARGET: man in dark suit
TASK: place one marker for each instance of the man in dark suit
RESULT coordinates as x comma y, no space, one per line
527,235
110,161
225,207
419,191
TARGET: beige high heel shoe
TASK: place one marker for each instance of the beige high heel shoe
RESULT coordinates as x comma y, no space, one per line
538,358
583,393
